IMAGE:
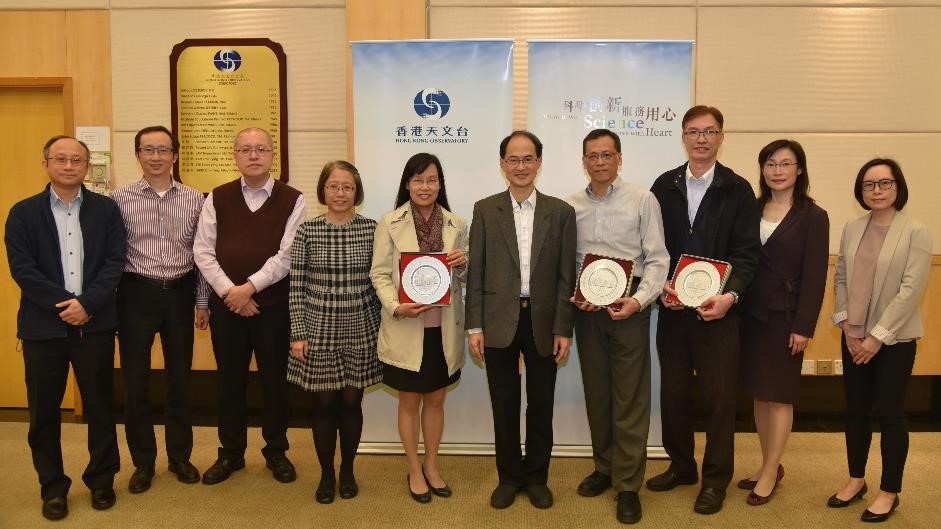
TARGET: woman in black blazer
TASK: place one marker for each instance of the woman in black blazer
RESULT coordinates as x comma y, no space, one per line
782,304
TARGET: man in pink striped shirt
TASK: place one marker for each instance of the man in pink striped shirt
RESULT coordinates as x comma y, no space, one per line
156,295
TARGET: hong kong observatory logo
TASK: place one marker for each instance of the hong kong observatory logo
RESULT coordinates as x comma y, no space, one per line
227,61
432,103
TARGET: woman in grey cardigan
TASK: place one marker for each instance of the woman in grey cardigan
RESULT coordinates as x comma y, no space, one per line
881,273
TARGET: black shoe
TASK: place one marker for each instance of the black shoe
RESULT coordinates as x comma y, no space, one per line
102,499
348,487
325,490
594,484
55,508
222,469
140,480
420,497
628,507
872,517
443,492
185,472
836,503
669,480
503,496
709,500
540,496
281,468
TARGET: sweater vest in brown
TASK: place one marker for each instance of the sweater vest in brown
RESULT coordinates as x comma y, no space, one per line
245,239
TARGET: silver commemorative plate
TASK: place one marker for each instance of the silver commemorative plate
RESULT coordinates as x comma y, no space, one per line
696,282
426,280
602,282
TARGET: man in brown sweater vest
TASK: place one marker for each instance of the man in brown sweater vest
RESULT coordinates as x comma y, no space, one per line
243,249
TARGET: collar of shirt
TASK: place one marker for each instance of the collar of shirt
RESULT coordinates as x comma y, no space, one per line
269,185
55,200
614,186
530,201
707,177
144,184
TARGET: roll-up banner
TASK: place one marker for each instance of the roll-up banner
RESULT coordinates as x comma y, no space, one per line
639,90
453,99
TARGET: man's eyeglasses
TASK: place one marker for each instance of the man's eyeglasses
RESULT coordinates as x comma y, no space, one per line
513,161
884,185
784,166
62,161
694,134
159,151
247,151
606,156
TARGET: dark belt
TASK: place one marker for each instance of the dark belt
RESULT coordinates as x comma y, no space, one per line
524,303
161,283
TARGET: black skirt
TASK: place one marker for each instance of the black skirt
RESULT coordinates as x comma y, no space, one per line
433,373
767,369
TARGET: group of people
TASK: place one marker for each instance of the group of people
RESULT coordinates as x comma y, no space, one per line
318,304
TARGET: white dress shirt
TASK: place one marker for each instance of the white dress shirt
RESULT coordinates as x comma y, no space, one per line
523,214
696,190
275,268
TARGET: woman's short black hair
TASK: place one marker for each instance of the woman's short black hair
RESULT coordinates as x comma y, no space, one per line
901,196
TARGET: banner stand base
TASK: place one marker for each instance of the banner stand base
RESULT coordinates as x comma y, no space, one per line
486,449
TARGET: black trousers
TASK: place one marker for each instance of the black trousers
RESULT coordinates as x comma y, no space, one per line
878,385
143,311
614,356
503,379
685,344
47,369
234,338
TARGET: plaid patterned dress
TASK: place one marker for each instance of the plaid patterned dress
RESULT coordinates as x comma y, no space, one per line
333,305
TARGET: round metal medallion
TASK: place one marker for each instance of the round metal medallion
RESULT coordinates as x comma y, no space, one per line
426,280
602,282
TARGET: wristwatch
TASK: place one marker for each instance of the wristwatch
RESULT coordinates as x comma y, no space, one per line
734,296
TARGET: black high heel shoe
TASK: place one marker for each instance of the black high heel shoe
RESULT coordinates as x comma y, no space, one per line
443,492
422,497
872,517
837,503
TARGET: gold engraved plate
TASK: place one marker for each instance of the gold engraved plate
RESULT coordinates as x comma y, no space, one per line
602,282
426,280
696,282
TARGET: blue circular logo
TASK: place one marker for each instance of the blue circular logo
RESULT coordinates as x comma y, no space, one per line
432,103
227,60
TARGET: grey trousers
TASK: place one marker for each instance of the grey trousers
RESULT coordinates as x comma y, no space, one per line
614,356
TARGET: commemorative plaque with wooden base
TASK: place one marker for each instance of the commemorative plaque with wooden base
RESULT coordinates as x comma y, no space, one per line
425,278
696,278
603,279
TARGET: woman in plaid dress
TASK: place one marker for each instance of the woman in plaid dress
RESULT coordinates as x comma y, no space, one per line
334,322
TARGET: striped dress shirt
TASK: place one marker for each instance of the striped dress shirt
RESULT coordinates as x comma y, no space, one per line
160,232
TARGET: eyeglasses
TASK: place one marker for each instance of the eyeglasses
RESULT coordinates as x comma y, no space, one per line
336,188
62,161
247,151
784,166
606,156
884,185
431,182
513,161
694,134
159,151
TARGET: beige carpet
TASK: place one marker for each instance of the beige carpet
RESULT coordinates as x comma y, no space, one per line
815,465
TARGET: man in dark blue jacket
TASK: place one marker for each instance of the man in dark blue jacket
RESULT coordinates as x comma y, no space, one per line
66,248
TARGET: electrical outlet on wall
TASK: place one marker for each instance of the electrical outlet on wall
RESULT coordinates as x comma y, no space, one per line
808,367
837,367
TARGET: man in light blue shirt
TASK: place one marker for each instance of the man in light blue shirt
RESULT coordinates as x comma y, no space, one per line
617,219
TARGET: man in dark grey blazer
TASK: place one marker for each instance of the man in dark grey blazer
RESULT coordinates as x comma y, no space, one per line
521,272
